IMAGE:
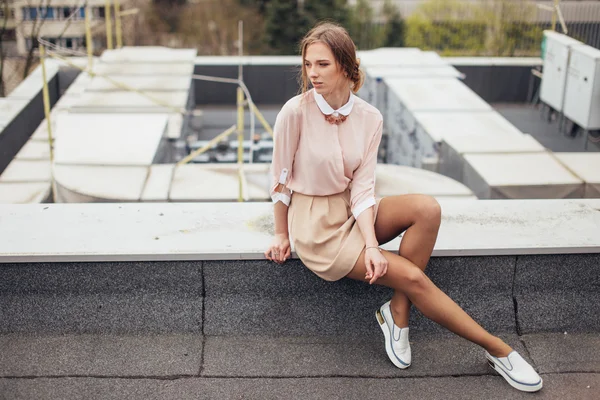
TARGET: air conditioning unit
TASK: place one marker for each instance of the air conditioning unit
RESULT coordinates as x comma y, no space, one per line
582,95
556,62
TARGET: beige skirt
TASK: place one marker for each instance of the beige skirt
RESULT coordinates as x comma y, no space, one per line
325,234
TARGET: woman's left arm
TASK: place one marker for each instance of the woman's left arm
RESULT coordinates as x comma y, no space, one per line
362,198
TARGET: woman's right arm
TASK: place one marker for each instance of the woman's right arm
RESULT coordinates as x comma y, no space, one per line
280,250
286,132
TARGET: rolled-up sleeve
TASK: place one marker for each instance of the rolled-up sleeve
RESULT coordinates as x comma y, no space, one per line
362,194
286,133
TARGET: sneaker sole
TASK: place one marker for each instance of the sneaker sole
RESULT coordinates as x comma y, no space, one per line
517,385
388,342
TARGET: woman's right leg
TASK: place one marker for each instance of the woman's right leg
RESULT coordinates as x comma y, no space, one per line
406,277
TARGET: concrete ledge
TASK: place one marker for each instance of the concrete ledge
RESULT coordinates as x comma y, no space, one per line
230,231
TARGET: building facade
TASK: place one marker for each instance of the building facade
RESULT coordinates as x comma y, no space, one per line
37,18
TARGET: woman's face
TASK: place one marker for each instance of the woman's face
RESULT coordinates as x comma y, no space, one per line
322,70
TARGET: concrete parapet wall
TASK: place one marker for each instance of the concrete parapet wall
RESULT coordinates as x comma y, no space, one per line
506,294
123,268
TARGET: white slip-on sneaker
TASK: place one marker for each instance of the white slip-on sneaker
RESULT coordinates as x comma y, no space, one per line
517,372
396,339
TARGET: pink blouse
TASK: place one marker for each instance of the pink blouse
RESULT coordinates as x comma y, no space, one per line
314,157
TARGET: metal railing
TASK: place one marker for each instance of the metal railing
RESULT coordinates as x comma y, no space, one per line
244,97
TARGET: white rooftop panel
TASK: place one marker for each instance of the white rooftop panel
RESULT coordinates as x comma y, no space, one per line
223,60
157,83
175,125
67,101
440,125
41,133
32,85
494,61
248,60
79,84
27,171
148,54
518,169
499,143
584,165
109,139
24,193
446,71
401,57
275,60
396,179
172,69
130,102
194,182
518,176
9,108
103,182
34,150
158,182
439,94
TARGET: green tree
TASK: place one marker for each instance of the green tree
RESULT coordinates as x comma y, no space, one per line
495,27
287,21
361,26
395,26
284,26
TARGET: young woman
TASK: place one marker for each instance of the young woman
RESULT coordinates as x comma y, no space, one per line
324,158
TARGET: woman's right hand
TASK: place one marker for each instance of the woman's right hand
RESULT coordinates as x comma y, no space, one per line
280,250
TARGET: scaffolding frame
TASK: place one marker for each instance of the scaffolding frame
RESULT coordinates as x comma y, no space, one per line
243,97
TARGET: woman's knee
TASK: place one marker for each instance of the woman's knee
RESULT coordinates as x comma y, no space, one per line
408,279
429,210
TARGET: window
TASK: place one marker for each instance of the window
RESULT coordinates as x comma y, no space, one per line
69,43
101,12
32,42
29,13
9,34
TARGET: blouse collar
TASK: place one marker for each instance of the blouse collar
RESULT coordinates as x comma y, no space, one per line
328,110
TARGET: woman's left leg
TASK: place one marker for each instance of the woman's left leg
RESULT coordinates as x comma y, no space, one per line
419,217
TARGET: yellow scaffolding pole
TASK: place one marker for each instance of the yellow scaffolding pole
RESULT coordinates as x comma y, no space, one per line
108,23
554,12
262,119
118,30
88,36
46,99
207,146
240,131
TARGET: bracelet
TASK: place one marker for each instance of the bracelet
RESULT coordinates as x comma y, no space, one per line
373,247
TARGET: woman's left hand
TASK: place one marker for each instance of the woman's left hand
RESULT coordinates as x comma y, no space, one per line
376,264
